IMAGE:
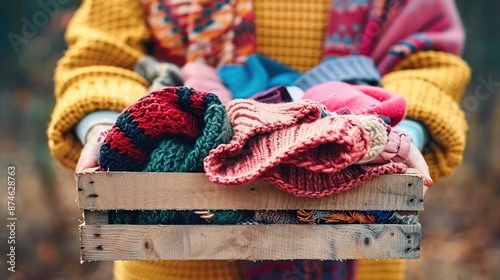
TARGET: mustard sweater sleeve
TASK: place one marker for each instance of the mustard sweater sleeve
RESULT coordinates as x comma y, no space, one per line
105,39
432,83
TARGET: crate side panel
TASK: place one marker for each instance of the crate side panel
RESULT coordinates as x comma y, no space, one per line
249,242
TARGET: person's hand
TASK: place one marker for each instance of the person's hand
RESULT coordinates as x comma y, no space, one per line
417,161
90,153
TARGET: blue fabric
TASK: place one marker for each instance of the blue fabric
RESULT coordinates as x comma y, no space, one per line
258,74
381,216
416,130
353,69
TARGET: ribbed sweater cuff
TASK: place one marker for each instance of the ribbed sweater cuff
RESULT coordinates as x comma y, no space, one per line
351,69
416,130
95,118
93,93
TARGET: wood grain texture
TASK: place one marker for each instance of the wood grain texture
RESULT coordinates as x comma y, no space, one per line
95,217
189,191
251,242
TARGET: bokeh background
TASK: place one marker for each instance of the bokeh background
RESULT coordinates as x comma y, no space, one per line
461,223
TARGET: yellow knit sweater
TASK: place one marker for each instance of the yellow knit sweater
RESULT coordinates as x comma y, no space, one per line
106,38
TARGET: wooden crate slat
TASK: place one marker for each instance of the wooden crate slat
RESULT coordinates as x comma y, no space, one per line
250,242
95,217
188,191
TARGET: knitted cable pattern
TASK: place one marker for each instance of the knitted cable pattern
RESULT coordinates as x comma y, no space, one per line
378,136
397,149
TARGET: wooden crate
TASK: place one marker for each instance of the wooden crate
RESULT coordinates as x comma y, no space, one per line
99,192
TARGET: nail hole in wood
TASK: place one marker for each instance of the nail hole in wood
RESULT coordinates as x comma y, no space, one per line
79,189
392,233
91,182
408,236
410,184
252,189
97,234
412,199
93,195
367,241
146,245
99,247
81,248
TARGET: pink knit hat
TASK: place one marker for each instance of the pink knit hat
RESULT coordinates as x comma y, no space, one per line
339,96
290,145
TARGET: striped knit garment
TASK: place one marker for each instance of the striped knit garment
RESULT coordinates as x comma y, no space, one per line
191,121
170,130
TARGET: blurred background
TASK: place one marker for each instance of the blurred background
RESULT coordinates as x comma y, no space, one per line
461,222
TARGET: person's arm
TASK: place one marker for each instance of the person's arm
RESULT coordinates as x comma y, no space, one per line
417,53
432,83
106,39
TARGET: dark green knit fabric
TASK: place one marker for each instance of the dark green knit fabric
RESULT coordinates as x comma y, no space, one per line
228,217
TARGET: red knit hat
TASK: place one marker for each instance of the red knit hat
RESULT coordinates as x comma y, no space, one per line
339,96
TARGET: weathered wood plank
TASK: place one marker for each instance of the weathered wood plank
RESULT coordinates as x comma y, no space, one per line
95,217
251,242
188,191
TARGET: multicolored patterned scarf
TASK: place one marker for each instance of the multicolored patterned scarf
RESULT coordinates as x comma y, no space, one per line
213,32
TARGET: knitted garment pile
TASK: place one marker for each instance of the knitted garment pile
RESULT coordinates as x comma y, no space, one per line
180,129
